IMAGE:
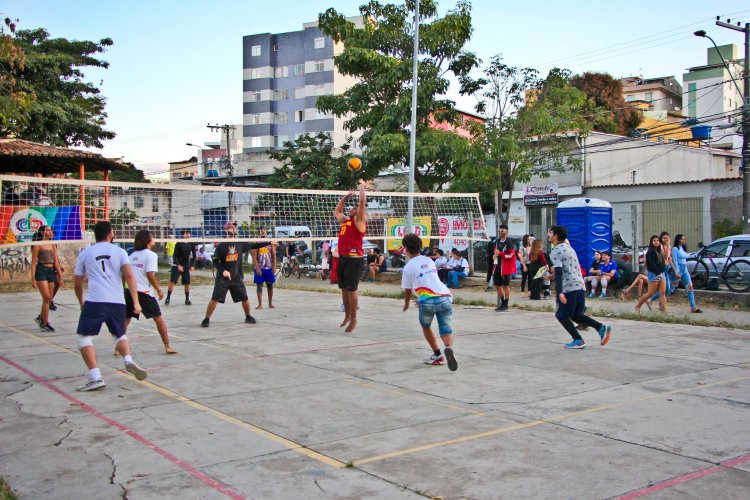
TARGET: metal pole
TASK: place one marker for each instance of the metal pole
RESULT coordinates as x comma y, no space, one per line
413,138
636,253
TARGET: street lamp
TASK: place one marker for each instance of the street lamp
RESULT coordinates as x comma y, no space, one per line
745,113
202,162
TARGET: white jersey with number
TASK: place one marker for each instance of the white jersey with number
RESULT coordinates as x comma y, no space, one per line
102,264
143,262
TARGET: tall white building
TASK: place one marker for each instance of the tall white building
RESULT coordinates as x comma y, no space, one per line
713,98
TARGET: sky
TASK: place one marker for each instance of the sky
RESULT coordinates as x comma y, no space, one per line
176,66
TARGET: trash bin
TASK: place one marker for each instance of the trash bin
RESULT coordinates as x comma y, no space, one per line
589,223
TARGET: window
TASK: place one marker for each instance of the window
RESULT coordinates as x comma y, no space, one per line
320,66
256,73
254,96
280,117
124,201
299,69
138,201
255,50
255,142
281,72
320,42
649,96
718,249
299,116
741,248
275,47
299,93
319,89
320,115
630,98
255,119
281,95
155,202
279,140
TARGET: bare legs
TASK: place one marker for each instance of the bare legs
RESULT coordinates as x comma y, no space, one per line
45,290
351,300
430,337
653,287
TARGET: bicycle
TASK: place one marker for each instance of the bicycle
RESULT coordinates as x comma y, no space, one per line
290,266
735,273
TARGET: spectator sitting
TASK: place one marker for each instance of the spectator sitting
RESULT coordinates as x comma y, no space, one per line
594,273
460,269
202,259
378,264
609,274
441,263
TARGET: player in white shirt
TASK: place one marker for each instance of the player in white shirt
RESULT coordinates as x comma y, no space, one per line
106,266
144,264
433,298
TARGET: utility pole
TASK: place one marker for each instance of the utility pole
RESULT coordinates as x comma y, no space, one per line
413,136
228,168
745,121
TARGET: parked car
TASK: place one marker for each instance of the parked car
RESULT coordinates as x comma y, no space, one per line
623,256
366,245
715,255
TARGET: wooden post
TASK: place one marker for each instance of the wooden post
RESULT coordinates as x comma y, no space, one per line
106,196
82,170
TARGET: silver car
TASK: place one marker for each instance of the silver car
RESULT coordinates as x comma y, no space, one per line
714,257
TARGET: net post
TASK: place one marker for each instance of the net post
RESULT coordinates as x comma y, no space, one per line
470,219
106,196
82,172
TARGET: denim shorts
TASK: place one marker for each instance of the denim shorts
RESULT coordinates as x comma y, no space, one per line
440,307
655,277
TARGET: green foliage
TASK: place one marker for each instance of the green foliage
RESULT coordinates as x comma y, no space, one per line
726,227
378,107
132,174
531,132
15,104
312,162
606,110
122,217
66,110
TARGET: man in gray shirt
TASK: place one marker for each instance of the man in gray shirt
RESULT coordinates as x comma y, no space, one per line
571,291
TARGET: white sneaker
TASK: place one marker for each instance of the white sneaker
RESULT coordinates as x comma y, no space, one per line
92,385
140,373
435,360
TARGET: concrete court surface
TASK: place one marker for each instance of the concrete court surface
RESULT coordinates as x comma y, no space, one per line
294,408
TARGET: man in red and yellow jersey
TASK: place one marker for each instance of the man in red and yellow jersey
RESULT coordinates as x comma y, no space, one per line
351,254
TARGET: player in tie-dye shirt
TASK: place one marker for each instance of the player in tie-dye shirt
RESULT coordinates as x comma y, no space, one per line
433,298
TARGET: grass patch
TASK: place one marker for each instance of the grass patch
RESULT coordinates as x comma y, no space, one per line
5,492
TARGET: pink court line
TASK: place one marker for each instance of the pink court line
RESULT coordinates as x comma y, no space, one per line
682,479
222,488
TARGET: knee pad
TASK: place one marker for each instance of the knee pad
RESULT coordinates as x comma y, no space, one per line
124,337
84,340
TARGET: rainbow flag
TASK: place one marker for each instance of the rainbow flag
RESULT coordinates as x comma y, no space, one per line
18,223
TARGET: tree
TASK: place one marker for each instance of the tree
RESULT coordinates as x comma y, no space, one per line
378,106
132,174
66,110
531,131
122,217
606,109
15,104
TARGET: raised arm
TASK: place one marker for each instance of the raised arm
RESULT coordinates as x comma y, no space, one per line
338,212
359,219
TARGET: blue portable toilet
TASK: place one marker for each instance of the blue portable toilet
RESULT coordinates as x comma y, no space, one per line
589,223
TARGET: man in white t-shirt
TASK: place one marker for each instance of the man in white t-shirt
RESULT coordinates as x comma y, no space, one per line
105,265
460,269
433,298
144,264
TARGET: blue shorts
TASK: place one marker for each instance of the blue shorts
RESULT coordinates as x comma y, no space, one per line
440,307
95,314
266,276
652,278
574,307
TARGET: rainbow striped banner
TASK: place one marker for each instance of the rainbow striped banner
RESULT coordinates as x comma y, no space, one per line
18,223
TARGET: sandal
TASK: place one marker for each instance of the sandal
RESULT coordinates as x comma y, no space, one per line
696,310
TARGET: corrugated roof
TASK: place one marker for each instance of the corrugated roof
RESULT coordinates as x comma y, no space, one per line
26,157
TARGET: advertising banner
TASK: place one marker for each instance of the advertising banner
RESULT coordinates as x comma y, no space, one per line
536,196
455,230
422,228
18,223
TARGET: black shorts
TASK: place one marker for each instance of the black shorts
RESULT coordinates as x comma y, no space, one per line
498,279
176,274
574,307
149,306
96,314
350,272
44,273
236,288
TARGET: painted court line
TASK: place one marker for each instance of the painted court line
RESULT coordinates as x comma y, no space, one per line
535,423
683,479
291,445
220,487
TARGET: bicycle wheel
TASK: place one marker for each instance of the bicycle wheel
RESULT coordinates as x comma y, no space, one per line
297,271
737,276
699,273
286,270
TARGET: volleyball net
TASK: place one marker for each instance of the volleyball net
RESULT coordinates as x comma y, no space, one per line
199,213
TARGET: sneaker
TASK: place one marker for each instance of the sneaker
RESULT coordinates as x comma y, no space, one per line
591,295
504,307
188,303
499,309
140,373
435,360
250,319
48,328
602,296
166,301
52,306
38,321
91,385
604,333
204,323
452,363
576,344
